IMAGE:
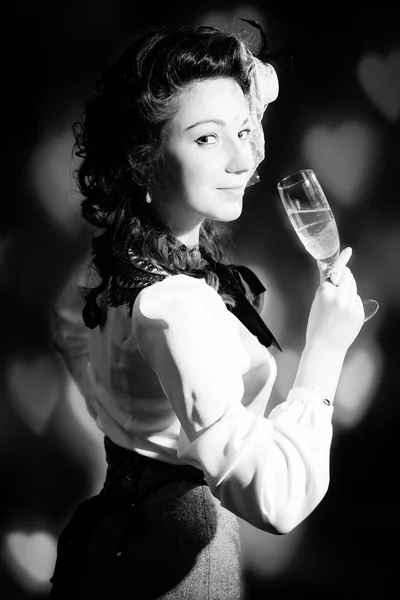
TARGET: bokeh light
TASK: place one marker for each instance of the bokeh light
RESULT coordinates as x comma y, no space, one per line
379,77
51,170
343,157
358,385
31,558
35,386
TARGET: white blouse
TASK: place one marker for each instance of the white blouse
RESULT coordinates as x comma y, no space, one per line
185,382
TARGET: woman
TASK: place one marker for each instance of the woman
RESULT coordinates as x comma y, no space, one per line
174,361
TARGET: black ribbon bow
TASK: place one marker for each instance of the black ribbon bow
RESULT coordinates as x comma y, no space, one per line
236,281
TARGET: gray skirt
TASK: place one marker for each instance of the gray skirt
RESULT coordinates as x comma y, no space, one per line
154,531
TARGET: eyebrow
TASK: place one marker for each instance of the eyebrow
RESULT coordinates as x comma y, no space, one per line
217,121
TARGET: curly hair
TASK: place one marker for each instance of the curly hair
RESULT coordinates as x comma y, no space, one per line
120,141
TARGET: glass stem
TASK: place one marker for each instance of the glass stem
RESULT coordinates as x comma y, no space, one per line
325,266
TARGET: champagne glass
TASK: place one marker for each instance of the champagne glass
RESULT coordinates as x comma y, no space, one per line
313,221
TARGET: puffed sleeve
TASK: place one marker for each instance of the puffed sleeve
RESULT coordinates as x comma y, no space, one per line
70,334
272,472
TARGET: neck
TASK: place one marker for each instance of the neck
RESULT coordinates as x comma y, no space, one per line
189,238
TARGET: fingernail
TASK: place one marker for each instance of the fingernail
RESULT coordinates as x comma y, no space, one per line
334,277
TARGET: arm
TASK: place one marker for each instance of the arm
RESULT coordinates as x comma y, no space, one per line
271,472
71,336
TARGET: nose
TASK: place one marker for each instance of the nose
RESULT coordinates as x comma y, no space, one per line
240,159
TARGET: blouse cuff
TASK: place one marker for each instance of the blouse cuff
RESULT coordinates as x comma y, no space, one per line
310,395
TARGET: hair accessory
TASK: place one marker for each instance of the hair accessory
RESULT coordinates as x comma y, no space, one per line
264,88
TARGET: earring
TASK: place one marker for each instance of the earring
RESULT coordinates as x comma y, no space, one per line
148,196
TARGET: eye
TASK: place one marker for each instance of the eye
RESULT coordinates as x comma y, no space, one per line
207,140
244,134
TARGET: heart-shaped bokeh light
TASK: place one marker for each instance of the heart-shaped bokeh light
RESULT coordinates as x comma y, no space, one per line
379,78
31,558
34,386
343,158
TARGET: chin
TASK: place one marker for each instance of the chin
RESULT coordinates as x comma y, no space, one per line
234,213
224,218
228,213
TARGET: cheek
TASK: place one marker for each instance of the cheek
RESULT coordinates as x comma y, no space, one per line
193,171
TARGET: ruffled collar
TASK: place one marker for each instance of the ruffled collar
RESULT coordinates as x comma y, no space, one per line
136,273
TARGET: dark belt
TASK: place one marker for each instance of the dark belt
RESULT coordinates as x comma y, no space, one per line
135,477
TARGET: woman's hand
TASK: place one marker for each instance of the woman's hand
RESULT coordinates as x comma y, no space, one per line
337,313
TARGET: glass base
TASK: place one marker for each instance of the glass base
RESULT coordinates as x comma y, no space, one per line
371,307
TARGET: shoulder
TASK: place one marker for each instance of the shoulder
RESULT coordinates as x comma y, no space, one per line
184,318
182,314
176,296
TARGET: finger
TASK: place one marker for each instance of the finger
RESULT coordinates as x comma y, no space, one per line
336,270
346,287
348,284
342,260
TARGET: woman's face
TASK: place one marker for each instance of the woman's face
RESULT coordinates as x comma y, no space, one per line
208,157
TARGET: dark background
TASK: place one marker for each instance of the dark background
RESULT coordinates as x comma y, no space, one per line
338,112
